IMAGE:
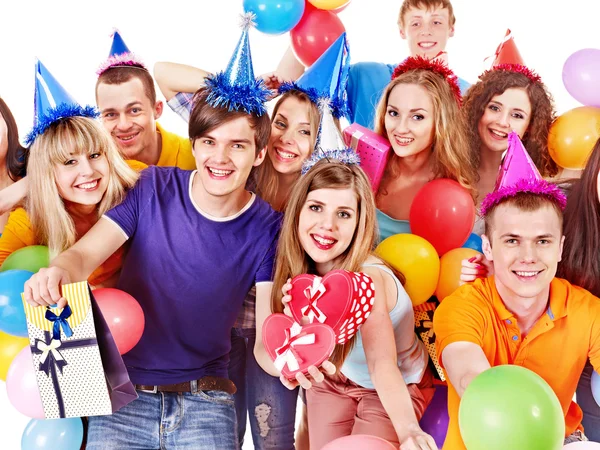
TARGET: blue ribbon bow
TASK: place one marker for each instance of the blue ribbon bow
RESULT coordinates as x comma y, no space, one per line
60,321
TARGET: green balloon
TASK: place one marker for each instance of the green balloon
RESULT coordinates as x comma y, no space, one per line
511,407
31,258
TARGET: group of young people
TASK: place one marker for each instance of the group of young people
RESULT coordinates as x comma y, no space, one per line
206,231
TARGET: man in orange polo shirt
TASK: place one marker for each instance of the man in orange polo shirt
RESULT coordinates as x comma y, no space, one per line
523,315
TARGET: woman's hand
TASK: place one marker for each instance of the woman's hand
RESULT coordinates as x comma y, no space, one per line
476,267
315,376
285,290
418,440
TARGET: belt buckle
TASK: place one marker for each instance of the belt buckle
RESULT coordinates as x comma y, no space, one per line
150,391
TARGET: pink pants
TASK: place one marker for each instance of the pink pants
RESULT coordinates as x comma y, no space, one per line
338,407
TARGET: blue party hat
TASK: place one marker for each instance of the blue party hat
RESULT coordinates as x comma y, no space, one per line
327,77
52,103
330,144
120,56
236,88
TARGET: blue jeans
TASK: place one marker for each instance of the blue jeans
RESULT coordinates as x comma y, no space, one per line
591,410
204,420
271,405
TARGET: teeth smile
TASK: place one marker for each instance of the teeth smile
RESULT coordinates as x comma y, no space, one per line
527,274
284,154
402,140
427,44
499,134
220,173
90,185
127,138
323,241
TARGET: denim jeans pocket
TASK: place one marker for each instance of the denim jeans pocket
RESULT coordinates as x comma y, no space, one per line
217,397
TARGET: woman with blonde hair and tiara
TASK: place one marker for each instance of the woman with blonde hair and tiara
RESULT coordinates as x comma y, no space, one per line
419,115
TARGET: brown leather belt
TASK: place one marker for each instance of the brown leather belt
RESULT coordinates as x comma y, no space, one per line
203,384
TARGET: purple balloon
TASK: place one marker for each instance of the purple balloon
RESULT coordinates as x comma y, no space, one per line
435,420
581,76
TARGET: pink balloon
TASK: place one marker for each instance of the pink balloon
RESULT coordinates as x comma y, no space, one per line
582,446
359,442
22,387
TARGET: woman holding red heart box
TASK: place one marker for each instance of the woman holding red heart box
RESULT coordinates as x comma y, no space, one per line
383,384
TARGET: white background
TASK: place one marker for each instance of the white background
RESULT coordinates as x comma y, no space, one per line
72,39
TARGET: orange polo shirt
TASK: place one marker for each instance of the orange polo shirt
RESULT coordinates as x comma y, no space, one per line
557,347
18,233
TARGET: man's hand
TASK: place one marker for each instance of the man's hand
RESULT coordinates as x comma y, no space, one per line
43,288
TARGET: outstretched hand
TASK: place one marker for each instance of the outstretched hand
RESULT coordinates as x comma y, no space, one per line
316,375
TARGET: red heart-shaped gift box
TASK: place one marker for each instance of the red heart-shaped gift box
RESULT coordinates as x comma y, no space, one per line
341,299
293,347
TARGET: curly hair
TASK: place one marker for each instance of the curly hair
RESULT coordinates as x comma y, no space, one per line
535,140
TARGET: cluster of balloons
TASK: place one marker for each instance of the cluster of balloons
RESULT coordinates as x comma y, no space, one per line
313,24
574,133
441,219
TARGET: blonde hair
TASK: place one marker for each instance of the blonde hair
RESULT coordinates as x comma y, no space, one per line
450,149
292,260
265,175
51,222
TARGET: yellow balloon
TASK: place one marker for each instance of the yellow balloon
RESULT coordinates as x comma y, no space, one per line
9,347
573,135
328,4
450,265
417,259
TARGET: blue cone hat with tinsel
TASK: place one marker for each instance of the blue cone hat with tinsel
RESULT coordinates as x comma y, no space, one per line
330,144
327,78
51,103
119,56
236,88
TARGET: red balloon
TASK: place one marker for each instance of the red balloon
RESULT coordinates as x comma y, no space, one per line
359,442
124,317
443,213
315,33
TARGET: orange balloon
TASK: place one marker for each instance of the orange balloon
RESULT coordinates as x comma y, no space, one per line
573,135
329,5
450,265
10,346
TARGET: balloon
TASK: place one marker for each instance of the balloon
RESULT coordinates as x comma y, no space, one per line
450,266
573,135
359,442
10,346
511,407
474,242
63,434
442,212
582,446
124,317
581,76
31,258
12,313
314,34
596,387
275,16
22,387
435,420
329,4
417,260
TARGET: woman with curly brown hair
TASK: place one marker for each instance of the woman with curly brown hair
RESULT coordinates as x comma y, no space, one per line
508,97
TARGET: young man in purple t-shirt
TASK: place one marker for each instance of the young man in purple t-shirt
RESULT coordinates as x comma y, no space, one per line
198,241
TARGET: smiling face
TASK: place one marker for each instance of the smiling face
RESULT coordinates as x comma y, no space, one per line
525,247
82,178
327,224
409,120
509,111
426,31
225,156
290,142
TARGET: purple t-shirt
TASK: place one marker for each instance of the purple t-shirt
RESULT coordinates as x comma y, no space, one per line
190,273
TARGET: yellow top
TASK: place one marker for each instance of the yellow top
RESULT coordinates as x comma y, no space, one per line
176,151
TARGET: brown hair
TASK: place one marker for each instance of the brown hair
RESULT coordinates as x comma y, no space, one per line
16,154
427,5
120,75
205,118
580,263
535,140
524,201
266,179
450,155
292,260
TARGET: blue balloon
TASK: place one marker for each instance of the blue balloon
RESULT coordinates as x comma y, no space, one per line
275,16
596,387
12,313
474,242
63,434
